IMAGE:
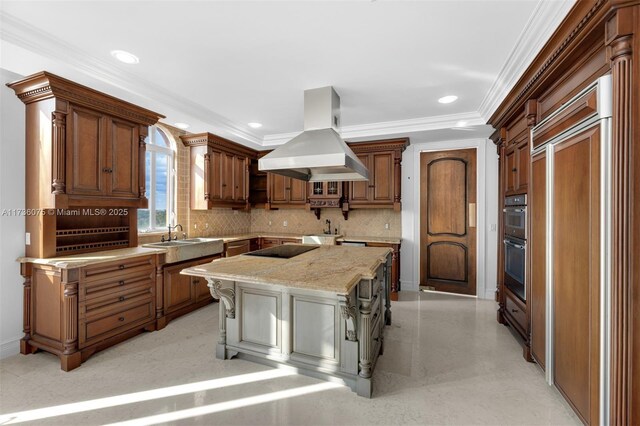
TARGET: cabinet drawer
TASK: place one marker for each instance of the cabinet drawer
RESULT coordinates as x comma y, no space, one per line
269,242
134,293
290,241
516,311
115,283
117,322
104,270
236,248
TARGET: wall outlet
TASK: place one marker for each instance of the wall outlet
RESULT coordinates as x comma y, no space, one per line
269,223
206,226
386,226
493,227
27,238
285,223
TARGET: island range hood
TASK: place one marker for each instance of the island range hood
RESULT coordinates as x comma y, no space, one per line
318,154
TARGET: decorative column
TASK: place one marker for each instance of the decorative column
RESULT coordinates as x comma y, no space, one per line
365,339
58,155
70,357
348,313
25,347
227,296
142,151
619,39
207,164
397,179
499,138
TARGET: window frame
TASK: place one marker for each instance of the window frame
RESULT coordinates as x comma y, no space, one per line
153,148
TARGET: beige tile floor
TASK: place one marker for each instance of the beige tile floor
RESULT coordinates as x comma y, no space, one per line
446,361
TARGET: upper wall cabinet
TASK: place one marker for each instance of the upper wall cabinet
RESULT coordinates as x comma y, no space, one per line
84,148
283,191
383,160
219,172
516,158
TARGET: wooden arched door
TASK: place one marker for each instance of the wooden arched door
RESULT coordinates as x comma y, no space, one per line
448,221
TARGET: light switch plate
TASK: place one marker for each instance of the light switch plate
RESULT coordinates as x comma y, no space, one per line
27,238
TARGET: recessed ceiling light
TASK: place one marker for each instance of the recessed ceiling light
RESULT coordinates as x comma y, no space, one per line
255,125
461,124
447,99
181,125
126,57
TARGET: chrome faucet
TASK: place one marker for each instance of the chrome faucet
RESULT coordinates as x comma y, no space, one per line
173,227
328,230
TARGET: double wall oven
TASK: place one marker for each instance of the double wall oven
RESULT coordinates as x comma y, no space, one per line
515,244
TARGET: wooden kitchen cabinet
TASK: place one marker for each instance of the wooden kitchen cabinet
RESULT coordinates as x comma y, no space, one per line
516,158
85,151
383,160
75,312
236,248
283,191
183,293
219,172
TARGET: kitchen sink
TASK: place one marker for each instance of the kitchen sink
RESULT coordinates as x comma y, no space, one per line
180,250
323,239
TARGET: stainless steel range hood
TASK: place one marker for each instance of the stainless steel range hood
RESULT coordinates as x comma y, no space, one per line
318,154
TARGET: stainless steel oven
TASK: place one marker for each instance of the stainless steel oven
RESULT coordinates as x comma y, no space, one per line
515,260
515,216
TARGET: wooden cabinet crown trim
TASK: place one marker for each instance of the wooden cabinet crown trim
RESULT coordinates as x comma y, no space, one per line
217,142
382,145
583,14
44,85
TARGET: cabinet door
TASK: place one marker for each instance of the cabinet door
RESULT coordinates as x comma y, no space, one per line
277,188
538,249
178,289
122,159
240,178
297,191
227,176
522,166
382,177
86,152
214,188
200,289
360,190
510,171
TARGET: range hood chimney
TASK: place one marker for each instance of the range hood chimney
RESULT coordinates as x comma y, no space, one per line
318,154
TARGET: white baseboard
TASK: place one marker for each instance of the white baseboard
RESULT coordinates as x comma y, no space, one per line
10,348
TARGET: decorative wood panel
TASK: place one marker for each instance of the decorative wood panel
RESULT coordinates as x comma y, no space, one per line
86,152
318,320
538,256
123,152
259,313
456,266
360,190
447,197
576,271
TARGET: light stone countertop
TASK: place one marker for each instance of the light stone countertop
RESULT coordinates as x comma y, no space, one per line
84,259
334,269
360,239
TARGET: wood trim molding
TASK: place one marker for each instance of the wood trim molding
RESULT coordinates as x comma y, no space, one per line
374,146
619,38
44,85
584,15
217,142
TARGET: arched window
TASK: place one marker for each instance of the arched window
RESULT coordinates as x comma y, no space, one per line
160,186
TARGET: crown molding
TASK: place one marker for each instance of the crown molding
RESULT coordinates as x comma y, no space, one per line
20,33
544,20
390,128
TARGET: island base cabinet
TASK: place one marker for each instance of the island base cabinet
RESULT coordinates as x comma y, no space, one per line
320,333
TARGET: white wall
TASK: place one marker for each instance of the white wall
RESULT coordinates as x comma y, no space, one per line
12,180
487,212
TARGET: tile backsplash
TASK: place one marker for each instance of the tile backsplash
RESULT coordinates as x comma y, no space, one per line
364,222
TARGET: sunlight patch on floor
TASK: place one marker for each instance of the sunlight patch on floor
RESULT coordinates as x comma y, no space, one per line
229,405
130,398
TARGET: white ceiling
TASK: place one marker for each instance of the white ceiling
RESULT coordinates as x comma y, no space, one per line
219,65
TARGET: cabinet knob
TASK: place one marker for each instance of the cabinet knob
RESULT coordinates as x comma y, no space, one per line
121,282
107,170
224,185
514,170
121,319
236,186
372,186
121,267
195,281
121,298
514,310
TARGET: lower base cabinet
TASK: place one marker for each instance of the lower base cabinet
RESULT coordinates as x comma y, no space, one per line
181,293
76,312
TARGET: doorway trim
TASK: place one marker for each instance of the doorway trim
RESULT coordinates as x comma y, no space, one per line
483,291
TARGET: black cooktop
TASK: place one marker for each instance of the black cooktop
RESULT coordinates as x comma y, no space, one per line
285,251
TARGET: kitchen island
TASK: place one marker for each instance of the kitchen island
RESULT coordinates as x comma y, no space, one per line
322,311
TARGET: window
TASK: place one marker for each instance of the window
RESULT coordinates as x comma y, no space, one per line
159,166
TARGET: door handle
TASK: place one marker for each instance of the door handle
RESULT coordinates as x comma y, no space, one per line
472,215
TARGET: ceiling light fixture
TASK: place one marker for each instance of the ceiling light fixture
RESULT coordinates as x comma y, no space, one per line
181,125
126,57
255,125
461,124
447,99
